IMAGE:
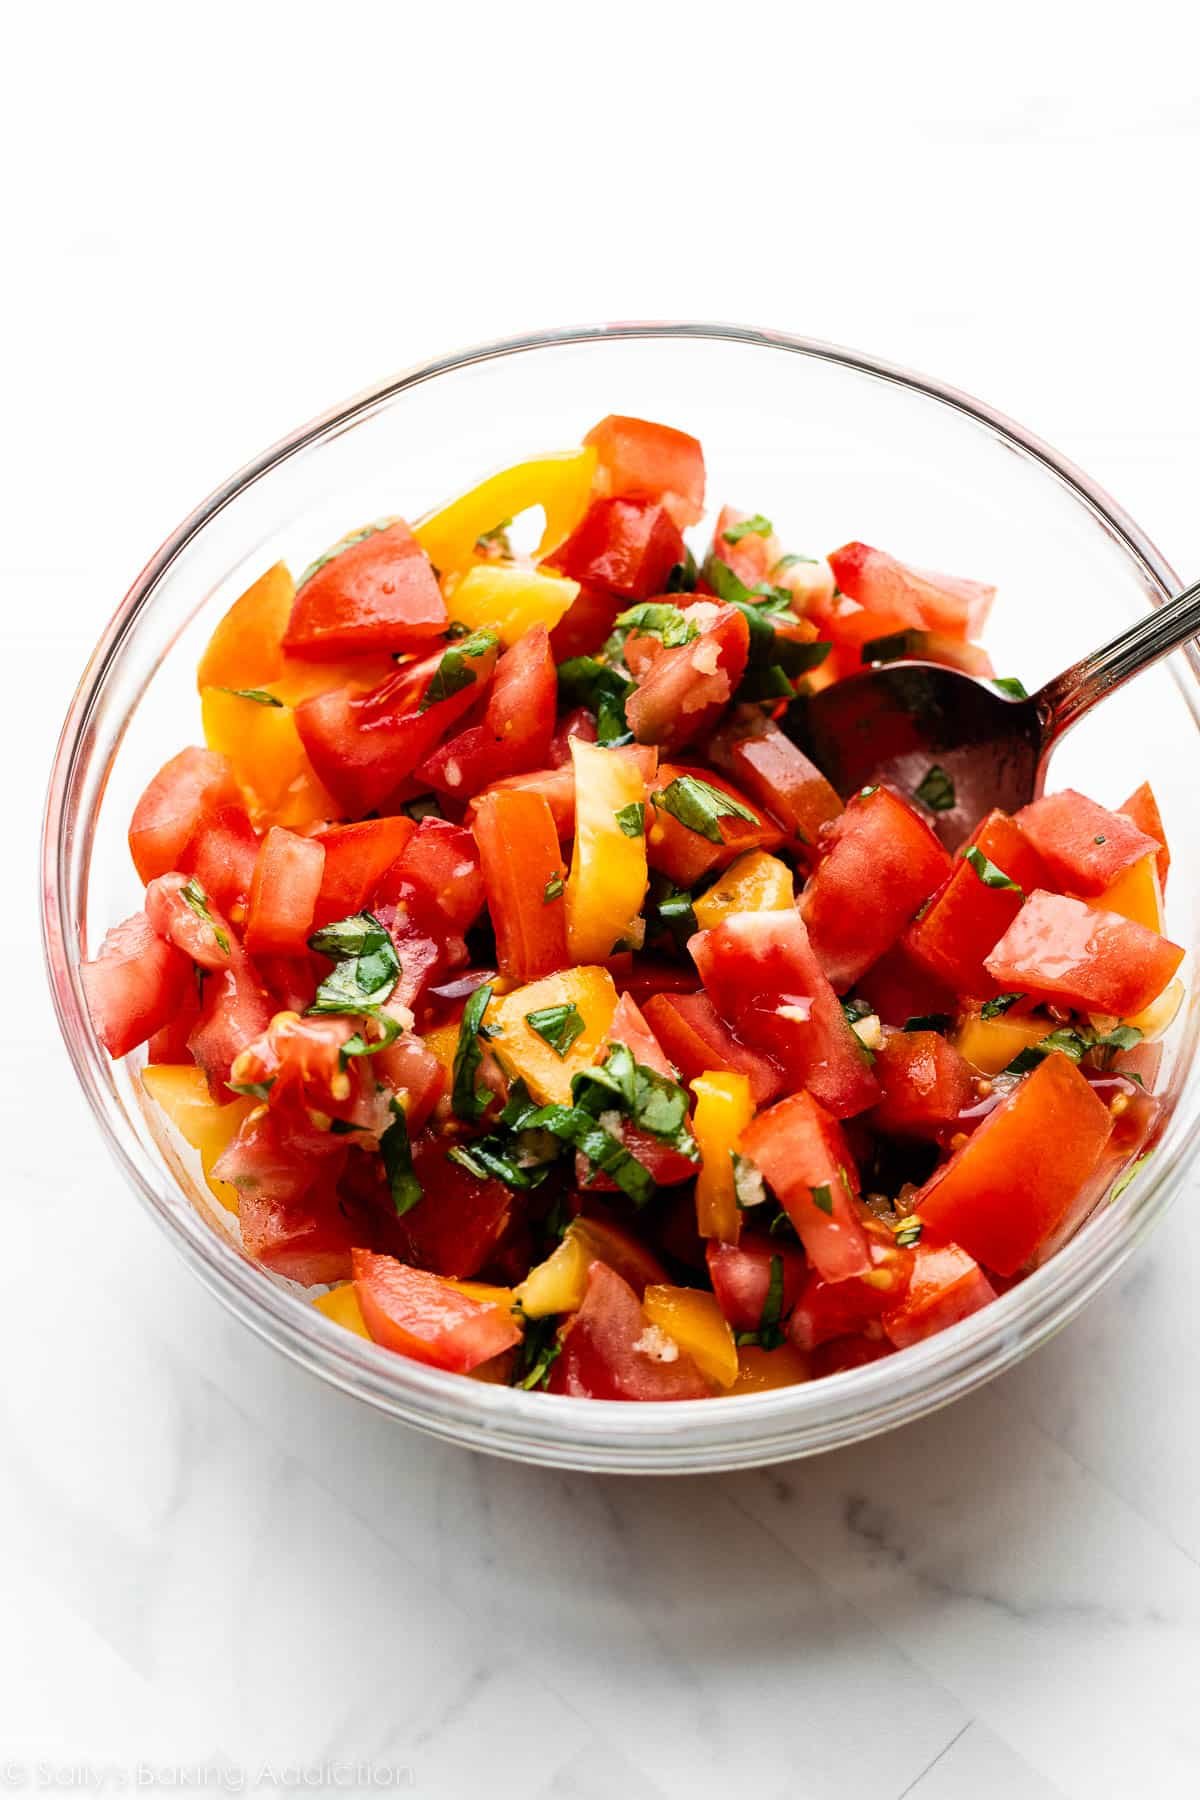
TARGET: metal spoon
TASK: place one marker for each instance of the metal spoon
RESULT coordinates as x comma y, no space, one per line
896,722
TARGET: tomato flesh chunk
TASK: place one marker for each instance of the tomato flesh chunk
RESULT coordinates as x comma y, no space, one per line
946,1285
803,1153
926,1085
919,597
135,985
186,790
966,918
625,548
1059,948
697,1039
379,593
422,1316
611,1352
1084,846
741,1277
639,459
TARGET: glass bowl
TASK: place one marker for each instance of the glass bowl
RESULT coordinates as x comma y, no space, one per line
830,444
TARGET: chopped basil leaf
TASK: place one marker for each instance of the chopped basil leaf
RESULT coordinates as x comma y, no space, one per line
822,1199
1100,840
1008,684
606,1153
774,661
1076,1043
468,1098
682,578
558,1026
653,618
992,1009
754,526
539,1347
367,970
193,895
929,1022
698,806
896,646
497,535
396,1151
454,673
654,1102
855,1010
790,560
254,1090
259,696
1128,1175
865,793
483,1159
936,790
553,889
988,873
632,819
603,689
351,537
770,1334
673,909
358,1045
908,1233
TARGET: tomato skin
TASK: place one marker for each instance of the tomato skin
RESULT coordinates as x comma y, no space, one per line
585,624
900,988
697,1039
556,787
827,1310
377,594
741,1277
685,689
356,856
134,985
185,791
623,547
947,1285
579,722
1084,846
879,862
173,919
284,893
925,1082
1005,1191
366,746
457,1224
803,1154
420,1316
685,855
919,597
520,859
966,918
843,1353
234,1010
440,865
517,726
221,854
410,1069
777,775
639,459
1058,948
1142,808
754,962
600,1358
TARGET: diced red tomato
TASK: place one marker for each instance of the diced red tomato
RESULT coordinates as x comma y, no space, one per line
1142,808
221,854
946,1286
910,596
524,878
586,623
668,1166
515,731
763,976
440,864
685,855
622,547
684,690
1005,1190
845,1353
1058,948
641,460
134,985
854,631
580,723
234,1010
645,976
696,1038
967,917
741,1277
185,792
355,857
925,1082
421,1316
1084,846
879,862
457,1224
284,893
193,926
751,555
379,593
900,989
837,1309
365,747
170,1044
611,1352
801,1151
410,1069
777,775
556,787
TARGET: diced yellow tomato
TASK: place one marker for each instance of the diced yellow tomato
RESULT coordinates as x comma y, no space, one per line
1136,895
245,649
756,882
724,1108
509,599
523,1053
182,1092
341,1305
760,1369
442,1042
607,883
989,1045
485,1292
559,483
1157,1018
557,1285
693,1319
269,761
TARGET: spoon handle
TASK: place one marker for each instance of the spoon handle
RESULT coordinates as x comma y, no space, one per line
1068,696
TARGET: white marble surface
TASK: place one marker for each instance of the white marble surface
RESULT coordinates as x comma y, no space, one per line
210,1566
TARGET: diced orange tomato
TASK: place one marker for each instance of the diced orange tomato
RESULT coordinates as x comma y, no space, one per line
524,1054
989,1045
724,1108
268,759
341,1305
1136,895
246,649
693,1319
525,880
760,1369
208,1125
756,882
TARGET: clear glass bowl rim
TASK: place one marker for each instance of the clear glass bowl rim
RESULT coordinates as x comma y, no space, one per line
692,1436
